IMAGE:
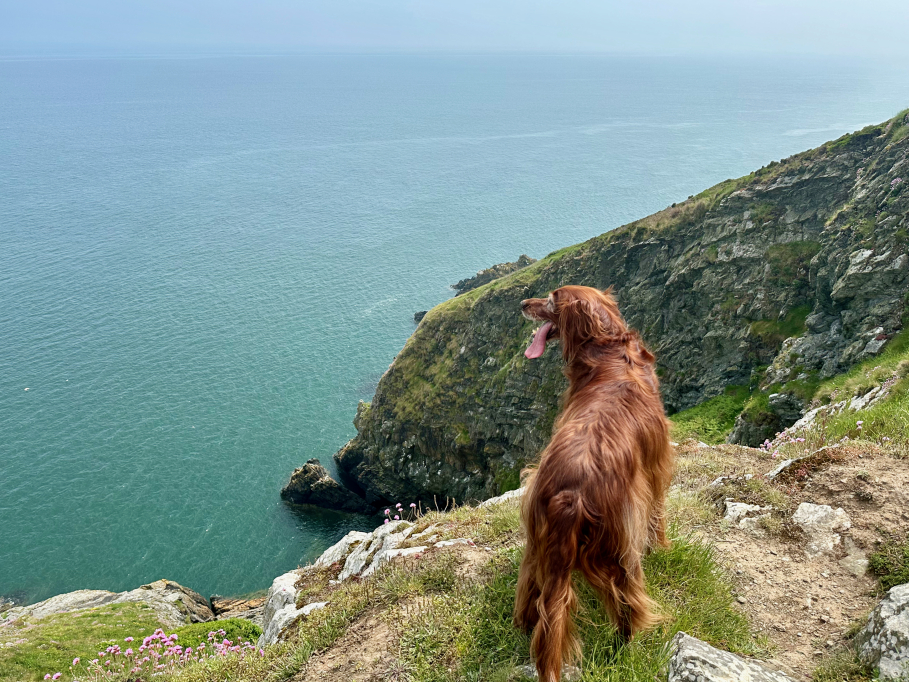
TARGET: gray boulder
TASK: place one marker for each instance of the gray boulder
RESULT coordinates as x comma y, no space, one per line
884,641
696,661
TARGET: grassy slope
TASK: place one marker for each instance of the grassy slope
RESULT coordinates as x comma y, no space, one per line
49,645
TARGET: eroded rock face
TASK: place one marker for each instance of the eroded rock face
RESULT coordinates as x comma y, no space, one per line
884,641
696,661
311,484
715,285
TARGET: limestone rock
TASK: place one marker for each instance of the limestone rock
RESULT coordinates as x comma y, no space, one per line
884,641
341,549
382,538
312,484
280,607
510,495
696,661
820,523
383,556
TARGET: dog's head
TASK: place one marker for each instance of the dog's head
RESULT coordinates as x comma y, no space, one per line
574,315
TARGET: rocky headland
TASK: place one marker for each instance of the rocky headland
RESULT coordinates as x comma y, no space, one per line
769,283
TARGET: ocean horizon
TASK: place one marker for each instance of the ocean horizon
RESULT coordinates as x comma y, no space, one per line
207,261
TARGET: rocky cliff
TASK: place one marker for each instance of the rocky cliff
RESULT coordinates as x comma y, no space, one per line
791,273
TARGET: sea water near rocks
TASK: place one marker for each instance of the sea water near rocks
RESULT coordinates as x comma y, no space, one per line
205,262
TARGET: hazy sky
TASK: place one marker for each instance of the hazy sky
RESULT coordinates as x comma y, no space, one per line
859,27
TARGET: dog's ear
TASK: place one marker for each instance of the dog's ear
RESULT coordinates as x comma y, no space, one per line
578,324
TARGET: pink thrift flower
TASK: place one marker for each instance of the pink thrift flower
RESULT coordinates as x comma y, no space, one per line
386,520
128,639
47,677
387,512
57,676
76,661
397,518
413,505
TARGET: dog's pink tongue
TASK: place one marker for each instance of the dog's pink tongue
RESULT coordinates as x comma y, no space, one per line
538,345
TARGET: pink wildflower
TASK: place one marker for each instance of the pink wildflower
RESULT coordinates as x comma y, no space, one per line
128,639
386,520
57,676
76,661
413,505
397,518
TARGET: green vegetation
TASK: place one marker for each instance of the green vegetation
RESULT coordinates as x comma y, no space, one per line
235,629
789,263
712,420
891,562
856,139
844,666
468,633
49,645
773,332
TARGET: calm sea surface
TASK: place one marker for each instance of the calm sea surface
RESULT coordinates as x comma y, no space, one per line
206,262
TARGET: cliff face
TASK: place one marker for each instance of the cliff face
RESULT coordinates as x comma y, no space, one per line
791,273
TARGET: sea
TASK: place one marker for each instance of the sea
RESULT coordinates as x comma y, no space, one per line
207,260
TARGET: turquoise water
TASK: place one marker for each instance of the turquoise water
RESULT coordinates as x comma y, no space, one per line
206,262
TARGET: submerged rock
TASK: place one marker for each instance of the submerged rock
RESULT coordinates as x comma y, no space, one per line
884,641
696,661
312,484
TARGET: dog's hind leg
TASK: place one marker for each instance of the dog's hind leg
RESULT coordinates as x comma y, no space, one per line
526,613
622,593
554,640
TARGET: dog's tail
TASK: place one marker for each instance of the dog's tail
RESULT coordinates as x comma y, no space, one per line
558,526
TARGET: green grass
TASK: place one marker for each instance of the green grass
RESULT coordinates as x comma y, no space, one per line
235,629
50,644
467,634
868,373
890,563
713,419
843,666
774,332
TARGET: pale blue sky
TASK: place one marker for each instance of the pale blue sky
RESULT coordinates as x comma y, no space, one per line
866,27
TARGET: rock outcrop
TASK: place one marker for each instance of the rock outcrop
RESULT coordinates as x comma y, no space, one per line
884,641
312,484
696,661
252,610
489,274
801,266
174,604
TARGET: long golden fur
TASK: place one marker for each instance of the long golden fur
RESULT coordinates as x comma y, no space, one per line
595,503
